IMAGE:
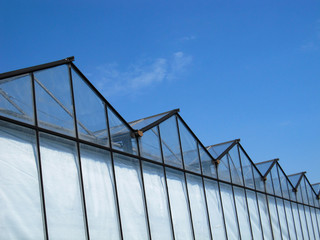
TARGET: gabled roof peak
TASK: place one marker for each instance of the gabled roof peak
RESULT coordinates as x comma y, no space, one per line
144,124
266,166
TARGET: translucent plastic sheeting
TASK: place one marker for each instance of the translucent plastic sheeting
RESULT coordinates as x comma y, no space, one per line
179,204
208,166
274,218
198,207
16,98
189,149
254,215
229,211
53,99
235,166
264,214
157,201
309,222
224,169
289,215
91,112
20,205
215,209
242,210
150,145
247,170
99,193
303,220
121,137
131,199
64,205
282,219
170,142
297,221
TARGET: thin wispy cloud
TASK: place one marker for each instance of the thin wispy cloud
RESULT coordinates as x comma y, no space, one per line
314,43
138,77
187,38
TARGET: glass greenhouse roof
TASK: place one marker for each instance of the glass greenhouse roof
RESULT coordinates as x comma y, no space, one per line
72,168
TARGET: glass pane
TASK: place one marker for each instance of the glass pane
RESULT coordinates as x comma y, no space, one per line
229,211
100,193
283,219
235,167
16,100
264,214
309,222
150,145
254,215
276,181
157,201
198,207
141,123
297,221
291,226
299,194
179,204
20,205
264,166
311,194
294,179
131,199
303,188
217,150
53,99
274,218
247,170
318,217
284,184
121,137
303,222
242,210
91,113
223,169
314,222
62,188
292,193
259,183
269,185
170,142
189,149
208,167
215,209
316,188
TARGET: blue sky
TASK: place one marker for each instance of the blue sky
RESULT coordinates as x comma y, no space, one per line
236,69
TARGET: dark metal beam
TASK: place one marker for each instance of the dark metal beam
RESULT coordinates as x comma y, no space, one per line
36,68
155,123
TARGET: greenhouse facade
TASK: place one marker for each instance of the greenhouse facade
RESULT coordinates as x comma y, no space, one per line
72,168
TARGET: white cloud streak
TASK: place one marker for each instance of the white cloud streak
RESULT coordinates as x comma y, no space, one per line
314,43
140,76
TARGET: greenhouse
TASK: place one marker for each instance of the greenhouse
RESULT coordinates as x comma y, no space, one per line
72,168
